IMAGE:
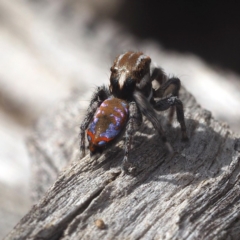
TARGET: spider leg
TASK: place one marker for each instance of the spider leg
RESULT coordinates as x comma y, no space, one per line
173,101
99,95
165,87
162,86
134,122
147,109
159,75
172,86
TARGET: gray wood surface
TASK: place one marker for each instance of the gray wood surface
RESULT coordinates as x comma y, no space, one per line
193,194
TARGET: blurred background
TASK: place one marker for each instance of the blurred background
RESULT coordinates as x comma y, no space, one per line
50,49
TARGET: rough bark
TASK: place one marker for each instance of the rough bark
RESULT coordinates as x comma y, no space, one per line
193,194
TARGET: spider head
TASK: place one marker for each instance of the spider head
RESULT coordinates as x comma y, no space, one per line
130,70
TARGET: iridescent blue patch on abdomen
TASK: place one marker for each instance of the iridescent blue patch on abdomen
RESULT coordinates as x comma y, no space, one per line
92,126
111,131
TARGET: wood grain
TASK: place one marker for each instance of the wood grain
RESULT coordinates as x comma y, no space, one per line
193,194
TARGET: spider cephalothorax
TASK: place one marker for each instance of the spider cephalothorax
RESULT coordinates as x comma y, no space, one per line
130,70
130,94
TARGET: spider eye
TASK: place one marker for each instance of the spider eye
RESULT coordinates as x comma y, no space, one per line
114,81
141,73
130,83
113,70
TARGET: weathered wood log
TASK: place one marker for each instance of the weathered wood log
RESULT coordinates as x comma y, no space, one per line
193,194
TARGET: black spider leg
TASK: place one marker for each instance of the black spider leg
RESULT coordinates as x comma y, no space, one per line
169,86
172,86
134,122
159,75
147,109
99,95
168,102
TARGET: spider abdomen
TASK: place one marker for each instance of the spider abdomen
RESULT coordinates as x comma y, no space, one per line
108,121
